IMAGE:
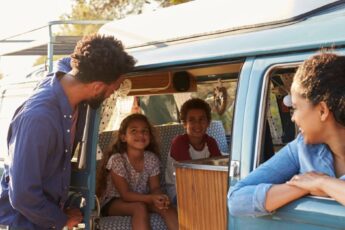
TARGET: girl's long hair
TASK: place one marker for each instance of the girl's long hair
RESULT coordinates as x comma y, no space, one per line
121,147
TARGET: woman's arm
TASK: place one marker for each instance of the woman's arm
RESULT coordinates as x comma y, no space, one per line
282,194
321,185
258,193
334,187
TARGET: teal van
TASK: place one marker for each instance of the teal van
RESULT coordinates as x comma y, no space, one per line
240,58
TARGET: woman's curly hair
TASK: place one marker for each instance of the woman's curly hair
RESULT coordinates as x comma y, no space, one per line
322,78
100,58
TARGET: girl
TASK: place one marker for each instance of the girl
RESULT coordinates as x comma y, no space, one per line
128,179
314,163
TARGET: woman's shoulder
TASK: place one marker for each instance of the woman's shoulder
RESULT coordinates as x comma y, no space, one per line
300,151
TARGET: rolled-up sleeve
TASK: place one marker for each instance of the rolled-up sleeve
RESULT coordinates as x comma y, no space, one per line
29,150
248,196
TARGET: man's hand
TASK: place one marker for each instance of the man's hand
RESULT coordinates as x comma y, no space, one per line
74,217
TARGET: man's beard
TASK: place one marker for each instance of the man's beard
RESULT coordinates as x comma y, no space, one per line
96,102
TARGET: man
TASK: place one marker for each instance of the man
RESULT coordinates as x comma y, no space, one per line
35,182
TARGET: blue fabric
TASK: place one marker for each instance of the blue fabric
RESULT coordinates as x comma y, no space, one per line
35,182
248,196
64,65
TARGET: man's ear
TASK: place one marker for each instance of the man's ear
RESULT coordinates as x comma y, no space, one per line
324,111
97,87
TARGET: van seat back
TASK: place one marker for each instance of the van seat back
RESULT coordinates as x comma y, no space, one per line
165,135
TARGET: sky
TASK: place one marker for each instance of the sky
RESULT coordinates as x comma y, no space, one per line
18,16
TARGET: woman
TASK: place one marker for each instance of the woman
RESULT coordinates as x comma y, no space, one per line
314,163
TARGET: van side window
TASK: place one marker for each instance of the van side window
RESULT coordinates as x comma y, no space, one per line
279,129
222,108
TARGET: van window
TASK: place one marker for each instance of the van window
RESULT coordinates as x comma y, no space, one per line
277,125
207,90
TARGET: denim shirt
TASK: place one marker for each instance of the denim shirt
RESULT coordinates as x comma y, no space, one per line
36,178
248,196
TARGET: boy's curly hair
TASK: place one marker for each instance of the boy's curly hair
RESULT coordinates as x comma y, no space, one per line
195,103
100,58
322,78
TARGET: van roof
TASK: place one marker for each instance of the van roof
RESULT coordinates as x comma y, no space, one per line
202,17
310,30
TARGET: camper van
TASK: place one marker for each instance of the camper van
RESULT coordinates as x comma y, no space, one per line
240,57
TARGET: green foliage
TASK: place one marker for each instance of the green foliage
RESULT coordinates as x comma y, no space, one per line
102,10
173,2
44,59
81,10
107,10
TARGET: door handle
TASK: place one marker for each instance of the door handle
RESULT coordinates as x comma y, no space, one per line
234,171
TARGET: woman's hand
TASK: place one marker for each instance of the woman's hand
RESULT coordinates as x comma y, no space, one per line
160,201
311,181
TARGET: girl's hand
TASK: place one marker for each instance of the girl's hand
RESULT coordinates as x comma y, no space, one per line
311,181
160,201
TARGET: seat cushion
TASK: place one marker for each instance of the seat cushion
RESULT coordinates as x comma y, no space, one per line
124,222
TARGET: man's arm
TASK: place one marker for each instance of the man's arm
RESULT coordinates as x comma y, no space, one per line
29,148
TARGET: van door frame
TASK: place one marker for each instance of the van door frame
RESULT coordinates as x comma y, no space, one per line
248,121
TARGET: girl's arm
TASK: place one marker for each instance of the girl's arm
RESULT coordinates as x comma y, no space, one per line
154,184
321,185
162,201
126,194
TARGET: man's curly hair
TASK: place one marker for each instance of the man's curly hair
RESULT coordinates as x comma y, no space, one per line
322,78
100,58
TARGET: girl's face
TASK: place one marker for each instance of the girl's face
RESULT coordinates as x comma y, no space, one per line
306,116
196,123
137,135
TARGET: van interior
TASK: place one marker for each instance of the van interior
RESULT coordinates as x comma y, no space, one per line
159,95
